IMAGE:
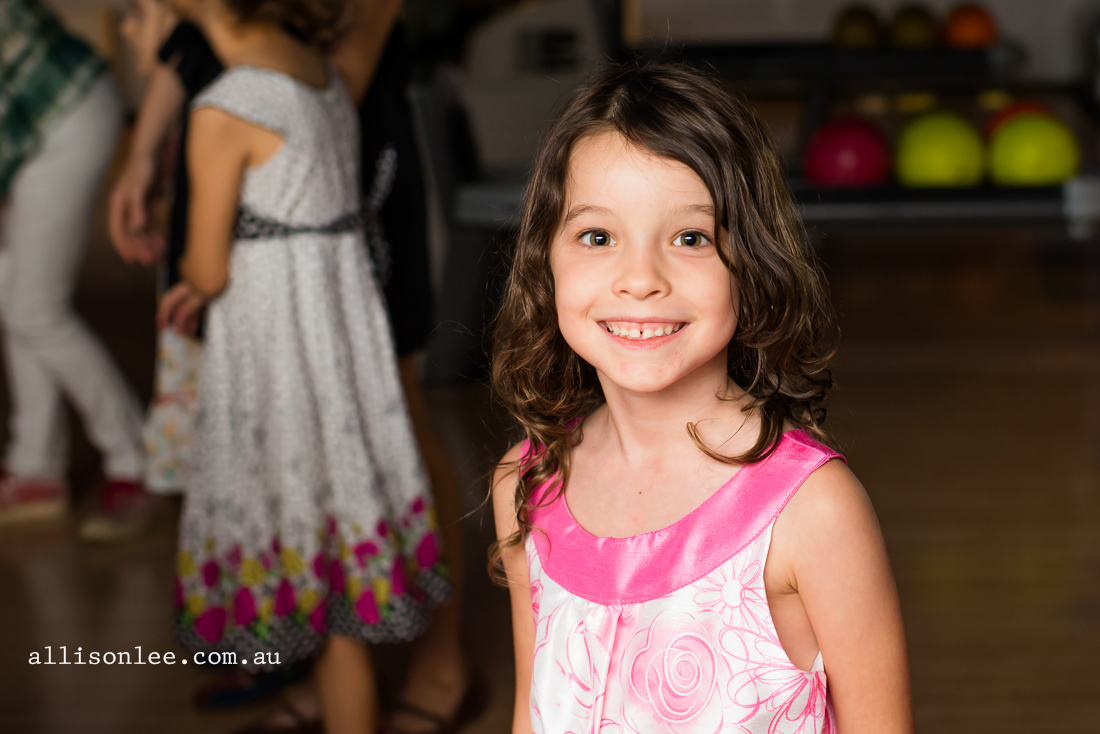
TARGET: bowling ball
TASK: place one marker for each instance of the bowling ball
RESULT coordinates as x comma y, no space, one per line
1033,149
1023,107
858,27
847,152
914,27
970,26
939,149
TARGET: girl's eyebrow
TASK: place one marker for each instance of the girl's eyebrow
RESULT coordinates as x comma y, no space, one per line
584,209
707,209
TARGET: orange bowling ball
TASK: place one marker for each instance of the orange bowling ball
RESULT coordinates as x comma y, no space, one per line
970,26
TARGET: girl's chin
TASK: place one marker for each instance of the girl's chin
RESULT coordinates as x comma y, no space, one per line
656,376
645,382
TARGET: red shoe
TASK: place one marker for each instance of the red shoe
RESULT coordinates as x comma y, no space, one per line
23,500
125,511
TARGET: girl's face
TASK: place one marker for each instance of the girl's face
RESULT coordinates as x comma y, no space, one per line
641,292
145,26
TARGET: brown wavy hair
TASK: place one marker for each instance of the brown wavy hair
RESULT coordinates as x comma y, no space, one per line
317,23
785,334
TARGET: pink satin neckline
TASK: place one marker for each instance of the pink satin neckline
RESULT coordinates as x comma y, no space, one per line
643,567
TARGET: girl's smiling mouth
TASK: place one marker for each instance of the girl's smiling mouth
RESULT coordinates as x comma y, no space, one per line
641,330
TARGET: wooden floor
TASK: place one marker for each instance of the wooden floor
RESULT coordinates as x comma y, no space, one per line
968,403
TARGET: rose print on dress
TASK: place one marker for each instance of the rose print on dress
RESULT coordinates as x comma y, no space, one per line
670,675
365,551
211,623
244,607
284,599
427,552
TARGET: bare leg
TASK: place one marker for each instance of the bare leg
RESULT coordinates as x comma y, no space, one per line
438,674
347,687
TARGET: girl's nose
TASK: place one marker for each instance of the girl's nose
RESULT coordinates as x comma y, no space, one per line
641,272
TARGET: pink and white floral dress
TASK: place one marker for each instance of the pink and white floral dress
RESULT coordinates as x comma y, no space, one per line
670,631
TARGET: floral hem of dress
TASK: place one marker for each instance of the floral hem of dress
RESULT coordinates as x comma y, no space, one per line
277,642
375,586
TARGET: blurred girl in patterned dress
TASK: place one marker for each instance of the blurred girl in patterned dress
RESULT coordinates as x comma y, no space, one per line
308,528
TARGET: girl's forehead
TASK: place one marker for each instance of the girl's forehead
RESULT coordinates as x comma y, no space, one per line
608,166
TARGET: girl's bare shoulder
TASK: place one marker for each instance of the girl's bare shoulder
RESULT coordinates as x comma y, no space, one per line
829,510
505,481
831,488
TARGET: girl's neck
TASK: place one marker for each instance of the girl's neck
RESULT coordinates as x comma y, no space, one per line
647,425
261,43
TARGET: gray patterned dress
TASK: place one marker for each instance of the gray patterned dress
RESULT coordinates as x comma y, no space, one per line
307,512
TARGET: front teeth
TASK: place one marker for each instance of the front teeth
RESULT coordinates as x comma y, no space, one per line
642,334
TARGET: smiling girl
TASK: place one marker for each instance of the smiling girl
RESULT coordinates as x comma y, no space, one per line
684,552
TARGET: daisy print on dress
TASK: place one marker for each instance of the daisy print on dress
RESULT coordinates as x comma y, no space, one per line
794,700
736,592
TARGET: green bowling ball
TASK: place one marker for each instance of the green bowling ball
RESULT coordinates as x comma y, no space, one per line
939,149
1033,149
858,26
913,26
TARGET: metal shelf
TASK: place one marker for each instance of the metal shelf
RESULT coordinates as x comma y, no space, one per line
1076,204
822,62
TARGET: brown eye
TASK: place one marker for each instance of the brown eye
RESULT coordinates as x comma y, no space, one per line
596,238
691,238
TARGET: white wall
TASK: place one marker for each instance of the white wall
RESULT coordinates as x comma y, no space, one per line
1053,31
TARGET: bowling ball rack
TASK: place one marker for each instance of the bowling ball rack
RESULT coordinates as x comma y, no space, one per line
816,73
819,72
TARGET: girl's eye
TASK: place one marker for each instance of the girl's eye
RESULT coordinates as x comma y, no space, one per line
596,238
691,238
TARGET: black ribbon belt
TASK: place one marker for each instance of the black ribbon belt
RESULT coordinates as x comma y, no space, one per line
251,226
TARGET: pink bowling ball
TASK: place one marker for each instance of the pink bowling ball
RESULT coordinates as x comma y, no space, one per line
847,152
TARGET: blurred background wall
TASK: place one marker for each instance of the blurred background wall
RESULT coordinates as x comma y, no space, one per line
1042,26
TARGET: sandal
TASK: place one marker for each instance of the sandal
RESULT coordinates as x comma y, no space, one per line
300,724
473,704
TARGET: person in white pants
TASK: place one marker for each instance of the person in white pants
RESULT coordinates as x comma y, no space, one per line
49,351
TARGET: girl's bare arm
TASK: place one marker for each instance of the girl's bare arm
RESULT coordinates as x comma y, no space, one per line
515,567
217,152
219,148
828,547
128,218
357,53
